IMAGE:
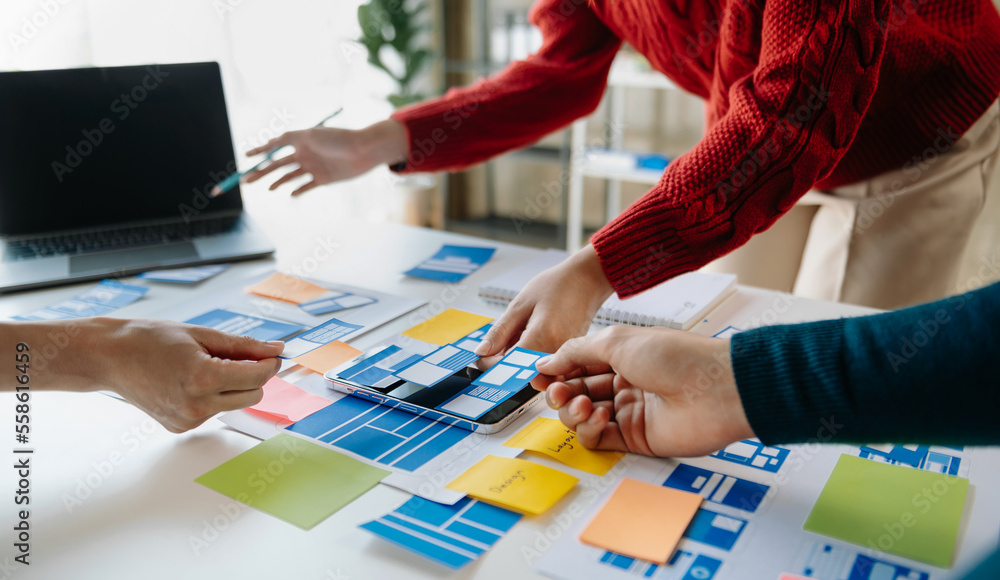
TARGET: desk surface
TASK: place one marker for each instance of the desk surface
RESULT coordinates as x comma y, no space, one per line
113,496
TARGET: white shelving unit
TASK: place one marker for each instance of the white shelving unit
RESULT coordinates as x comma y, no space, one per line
624,75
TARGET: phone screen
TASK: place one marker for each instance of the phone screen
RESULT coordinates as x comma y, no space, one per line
446,396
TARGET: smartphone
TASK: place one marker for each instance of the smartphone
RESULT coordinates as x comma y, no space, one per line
360,378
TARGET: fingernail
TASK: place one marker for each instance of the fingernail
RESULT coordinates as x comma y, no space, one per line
543,361
484,347
276,342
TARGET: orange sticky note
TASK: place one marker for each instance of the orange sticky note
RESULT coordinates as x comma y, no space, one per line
328,356
793,577
287,288
283,399
642,520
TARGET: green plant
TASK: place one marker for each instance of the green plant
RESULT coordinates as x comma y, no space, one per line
396,25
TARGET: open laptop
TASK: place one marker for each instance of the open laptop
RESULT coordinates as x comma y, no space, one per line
106,171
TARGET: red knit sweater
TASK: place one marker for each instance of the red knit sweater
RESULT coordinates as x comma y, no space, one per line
799,95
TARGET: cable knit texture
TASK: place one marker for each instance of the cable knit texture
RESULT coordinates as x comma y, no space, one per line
799,95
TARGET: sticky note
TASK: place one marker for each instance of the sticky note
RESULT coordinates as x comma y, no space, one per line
642,520
284,399
184,275
793,577
514,483
252,326
900,510
287,288
447,327
328,356
293,479
452,263
316,337
550,437
451,535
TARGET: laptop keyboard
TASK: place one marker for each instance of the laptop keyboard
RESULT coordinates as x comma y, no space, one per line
118,239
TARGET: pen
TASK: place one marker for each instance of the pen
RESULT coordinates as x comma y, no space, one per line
231,181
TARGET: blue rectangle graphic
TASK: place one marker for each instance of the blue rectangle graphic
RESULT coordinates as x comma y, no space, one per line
445,534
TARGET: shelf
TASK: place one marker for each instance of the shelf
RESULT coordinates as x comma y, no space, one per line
538,153
625,73
638,175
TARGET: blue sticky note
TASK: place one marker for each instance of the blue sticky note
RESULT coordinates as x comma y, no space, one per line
184,275
452,263
246,325
316,337
107,296
336,303
113,294
451,535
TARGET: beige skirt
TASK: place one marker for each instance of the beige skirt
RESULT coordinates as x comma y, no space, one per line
891,241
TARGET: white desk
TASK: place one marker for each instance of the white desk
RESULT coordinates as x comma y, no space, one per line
138,518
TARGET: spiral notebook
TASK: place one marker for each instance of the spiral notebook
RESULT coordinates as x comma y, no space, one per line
677,303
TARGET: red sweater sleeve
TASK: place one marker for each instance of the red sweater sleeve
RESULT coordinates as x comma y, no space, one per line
529,99
787,126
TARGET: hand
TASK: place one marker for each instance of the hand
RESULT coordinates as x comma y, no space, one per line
179,374
555,306
330,154
653,391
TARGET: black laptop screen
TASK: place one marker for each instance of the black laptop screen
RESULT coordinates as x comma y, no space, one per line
99,146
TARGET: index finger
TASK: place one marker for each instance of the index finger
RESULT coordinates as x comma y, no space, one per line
232,375
575,354
283,139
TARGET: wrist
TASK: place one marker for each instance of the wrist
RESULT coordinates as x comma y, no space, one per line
587,267
385,142
79,354
737,426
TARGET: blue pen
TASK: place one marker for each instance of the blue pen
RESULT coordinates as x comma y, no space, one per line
231,181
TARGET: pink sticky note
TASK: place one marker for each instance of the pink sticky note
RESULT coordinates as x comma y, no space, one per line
283,399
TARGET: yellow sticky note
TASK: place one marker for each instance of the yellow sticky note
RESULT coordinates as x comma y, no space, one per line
287,288
514,483
550,437
642,520
447,327
328,356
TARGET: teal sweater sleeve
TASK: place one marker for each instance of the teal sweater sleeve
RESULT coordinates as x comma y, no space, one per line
926,374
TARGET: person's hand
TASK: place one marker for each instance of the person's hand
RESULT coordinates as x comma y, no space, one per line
653,391
179,374
555,306
329,154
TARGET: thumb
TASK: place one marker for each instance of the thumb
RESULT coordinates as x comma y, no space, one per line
235,347
574,354
500,334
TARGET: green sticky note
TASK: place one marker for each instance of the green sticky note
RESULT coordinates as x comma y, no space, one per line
888,508
293,479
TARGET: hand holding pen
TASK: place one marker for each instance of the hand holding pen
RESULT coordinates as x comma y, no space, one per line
328,154
231,181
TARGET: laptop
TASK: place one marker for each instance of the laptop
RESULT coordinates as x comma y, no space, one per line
106,172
